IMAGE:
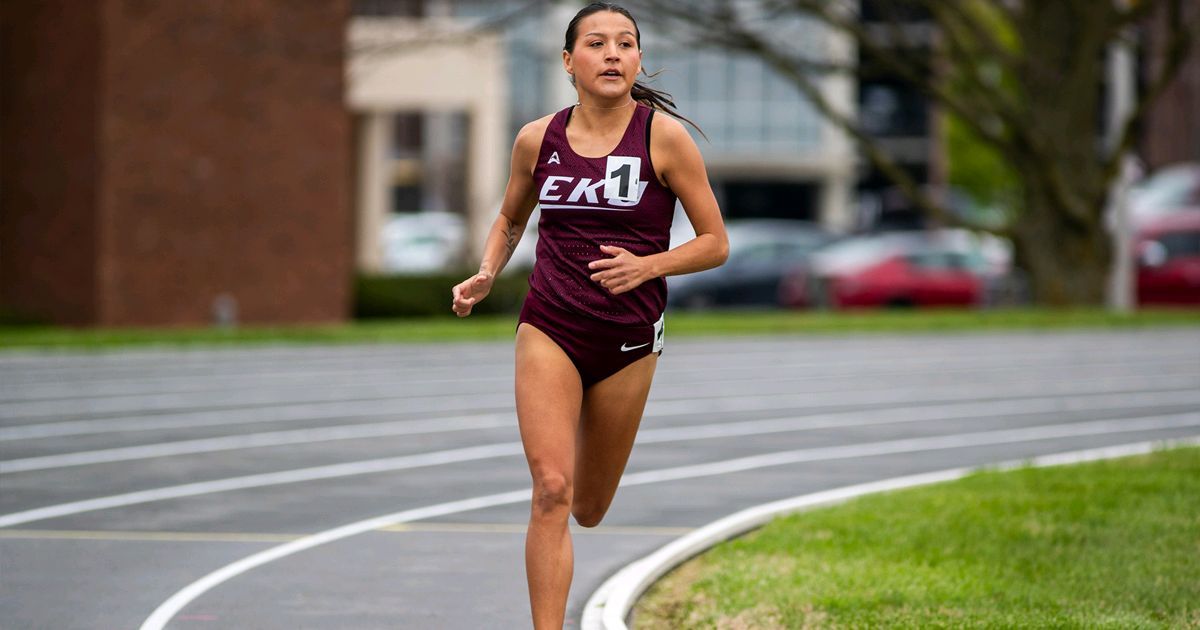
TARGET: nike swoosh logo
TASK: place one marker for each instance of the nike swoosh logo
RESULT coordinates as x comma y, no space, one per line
624,349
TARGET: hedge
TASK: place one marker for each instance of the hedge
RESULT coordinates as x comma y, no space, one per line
391,296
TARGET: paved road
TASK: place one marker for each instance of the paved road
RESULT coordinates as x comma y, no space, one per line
125,477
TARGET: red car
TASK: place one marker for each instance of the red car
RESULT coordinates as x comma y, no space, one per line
945,268
1168,251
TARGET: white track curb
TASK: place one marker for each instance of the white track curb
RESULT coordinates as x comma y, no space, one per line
610,605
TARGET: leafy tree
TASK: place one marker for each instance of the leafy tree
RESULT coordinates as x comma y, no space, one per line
1021,78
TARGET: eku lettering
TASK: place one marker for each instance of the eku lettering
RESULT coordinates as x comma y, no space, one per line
585,191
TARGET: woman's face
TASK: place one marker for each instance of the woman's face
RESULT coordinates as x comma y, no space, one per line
606,60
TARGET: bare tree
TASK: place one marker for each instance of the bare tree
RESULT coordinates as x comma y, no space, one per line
1024,76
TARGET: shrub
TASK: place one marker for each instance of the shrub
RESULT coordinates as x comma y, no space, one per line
391,296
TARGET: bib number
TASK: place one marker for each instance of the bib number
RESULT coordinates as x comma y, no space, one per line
622,178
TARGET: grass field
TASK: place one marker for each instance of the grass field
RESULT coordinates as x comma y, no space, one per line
493,327
1109,544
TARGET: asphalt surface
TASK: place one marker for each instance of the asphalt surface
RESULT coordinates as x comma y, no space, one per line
127,476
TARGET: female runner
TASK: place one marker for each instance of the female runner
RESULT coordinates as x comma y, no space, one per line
606,172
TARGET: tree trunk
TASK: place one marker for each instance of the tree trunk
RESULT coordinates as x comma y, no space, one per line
1061,238
1067,263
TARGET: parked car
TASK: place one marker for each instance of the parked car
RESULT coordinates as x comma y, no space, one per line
760,252
901,269
1169,190
423,242
1168,251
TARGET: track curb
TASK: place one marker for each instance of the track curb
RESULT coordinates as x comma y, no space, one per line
609,606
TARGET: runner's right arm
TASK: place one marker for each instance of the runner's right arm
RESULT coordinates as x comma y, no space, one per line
519,201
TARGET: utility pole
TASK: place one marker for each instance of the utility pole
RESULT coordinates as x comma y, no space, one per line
1120,94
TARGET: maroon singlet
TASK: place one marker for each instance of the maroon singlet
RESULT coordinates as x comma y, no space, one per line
589,202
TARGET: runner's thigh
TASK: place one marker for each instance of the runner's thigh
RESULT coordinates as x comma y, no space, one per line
612,411
549,394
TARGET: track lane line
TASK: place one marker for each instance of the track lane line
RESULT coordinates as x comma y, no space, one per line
472,453
503,402
1097,401
174,604
165,402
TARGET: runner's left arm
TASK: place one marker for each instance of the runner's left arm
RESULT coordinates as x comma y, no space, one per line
677,159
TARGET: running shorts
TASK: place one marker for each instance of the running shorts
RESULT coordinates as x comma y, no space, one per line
597,349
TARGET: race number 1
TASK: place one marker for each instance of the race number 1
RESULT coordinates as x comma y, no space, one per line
622,178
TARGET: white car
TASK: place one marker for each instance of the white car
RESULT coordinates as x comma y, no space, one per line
1169,190
424,242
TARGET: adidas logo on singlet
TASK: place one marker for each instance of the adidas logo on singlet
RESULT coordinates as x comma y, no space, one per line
553,158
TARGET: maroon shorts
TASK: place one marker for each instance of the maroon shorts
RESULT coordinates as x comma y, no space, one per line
597,349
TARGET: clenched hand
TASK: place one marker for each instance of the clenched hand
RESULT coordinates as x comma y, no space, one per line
469,292
623,272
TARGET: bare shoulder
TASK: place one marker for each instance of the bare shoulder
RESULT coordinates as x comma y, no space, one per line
669,133
529,141
673,150
530,136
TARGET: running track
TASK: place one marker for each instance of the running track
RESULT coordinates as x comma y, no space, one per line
128,477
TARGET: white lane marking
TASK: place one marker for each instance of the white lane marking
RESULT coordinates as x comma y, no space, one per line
259,440
268,479
918,413
1023,406
908,445
973,362
610,604
39,365
521,528
168,609
316,391
136,536
163,614
335,410
903,397
259,537
89,376
181,366
688,403
80,400
466,454
165,401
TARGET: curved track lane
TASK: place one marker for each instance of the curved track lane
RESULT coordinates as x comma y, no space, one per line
383,486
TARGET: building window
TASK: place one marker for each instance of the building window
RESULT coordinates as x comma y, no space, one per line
892,108
389,8
892,11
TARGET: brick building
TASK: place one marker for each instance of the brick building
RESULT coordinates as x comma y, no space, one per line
161,158
1171,132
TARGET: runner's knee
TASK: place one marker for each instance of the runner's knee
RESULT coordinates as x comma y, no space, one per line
551,492
588,513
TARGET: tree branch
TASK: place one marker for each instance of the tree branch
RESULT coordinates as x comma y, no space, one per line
872,150
957,11
997,103
965,106
1015,141
992,99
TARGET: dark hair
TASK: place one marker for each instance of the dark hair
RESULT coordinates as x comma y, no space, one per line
657,99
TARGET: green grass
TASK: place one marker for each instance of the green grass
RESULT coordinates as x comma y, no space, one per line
496,327
1109,544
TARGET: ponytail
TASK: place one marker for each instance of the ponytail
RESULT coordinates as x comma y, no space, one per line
660,100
